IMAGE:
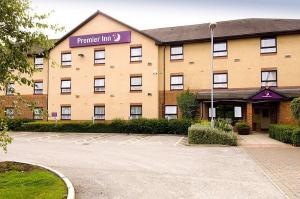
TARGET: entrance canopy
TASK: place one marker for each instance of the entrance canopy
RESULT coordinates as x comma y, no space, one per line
268,95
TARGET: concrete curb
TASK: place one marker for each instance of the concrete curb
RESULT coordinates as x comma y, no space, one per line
70,187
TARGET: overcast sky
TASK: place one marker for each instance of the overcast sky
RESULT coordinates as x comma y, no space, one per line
145,14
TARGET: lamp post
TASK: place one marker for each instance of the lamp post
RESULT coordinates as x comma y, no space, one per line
212,26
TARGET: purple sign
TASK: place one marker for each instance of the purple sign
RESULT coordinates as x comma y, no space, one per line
100,39
267,95
54,114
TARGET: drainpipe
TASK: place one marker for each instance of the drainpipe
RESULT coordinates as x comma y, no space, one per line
164,82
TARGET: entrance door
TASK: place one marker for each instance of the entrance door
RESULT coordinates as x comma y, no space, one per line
265,118
264,115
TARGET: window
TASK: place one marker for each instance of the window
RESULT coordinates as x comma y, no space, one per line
99,112
66,112
135,111
176,82
220,49
237,111
65,86
176,52
136,54
37,113
66,59
136,83
9,113
171,112
220,80
39,62
99,57
38,88
99,85
268,45
10,89
268,78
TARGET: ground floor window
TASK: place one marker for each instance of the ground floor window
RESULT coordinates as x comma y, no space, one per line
38,114
66,112
227,111
99,112
9,112
135,111
171,112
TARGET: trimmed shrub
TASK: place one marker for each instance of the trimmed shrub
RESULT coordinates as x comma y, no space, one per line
242,128
223,124
152,126
295,106
15,123
285,133
203,134
188,104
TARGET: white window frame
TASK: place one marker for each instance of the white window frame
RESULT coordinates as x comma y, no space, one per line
171,115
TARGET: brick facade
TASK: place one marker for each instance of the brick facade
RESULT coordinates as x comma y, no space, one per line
20,104
285,113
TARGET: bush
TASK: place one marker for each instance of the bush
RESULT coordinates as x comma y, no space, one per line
15,123
285,133
295,106
242,128
223,124
153,126
203,134
188,104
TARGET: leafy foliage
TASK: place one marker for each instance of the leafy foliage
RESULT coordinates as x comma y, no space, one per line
204,134
152,126
285,133
223,124
5,139
188,104
295,106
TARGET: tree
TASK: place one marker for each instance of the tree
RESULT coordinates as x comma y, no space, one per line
295,106
21,36
188,104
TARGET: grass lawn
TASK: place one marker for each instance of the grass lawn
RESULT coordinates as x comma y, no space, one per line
23,181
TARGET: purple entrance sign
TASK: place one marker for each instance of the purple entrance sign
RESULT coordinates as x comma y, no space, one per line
267,95
100,39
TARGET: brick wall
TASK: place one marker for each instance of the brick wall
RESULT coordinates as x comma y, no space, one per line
19,104
285,114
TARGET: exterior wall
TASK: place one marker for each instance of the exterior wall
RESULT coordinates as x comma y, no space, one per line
243,64
285,114
27,94
117,70
21,110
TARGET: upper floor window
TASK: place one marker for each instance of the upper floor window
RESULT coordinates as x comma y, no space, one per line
66,59
99,112
171,112
176,53
268,78
38,62
220,49
37,113
136,54
65,112
135,111
268,45
99,85
99,57
136,83
65,86
38,88
10,89
220,80
176,82
9,113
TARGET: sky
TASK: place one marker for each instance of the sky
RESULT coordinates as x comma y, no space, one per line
147,14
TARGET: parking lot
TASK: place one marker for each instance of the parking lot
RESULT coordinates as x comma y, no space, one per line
145,166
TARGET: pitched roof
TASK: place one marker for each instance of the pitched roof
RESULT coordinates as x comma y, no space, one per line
233,29
103,14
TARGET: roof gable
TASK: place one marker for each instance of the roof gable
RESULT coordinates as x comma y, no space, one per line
267,94
105,15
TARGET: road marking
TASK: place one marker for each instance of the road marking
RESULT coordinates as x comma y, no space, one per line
179,141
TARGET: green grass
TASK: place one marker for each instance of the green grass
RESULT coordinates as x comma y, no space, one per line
26,182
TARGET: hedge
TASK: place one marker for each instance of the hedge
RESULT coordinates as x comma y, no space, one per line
204,134
15,123
152,126
285,133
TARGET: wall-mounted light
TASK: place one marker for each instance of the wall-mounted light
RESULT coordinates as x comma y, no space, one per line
81,55
149,64
191,62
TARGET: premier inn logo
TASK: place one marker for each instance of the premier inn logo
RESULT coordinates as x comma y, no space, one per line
100,39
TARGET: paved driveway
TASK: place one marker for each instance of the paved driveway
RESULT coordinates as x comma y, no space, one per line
143,166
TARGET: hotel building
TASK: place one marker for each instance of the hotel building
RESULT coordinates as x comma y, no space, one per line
105,69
